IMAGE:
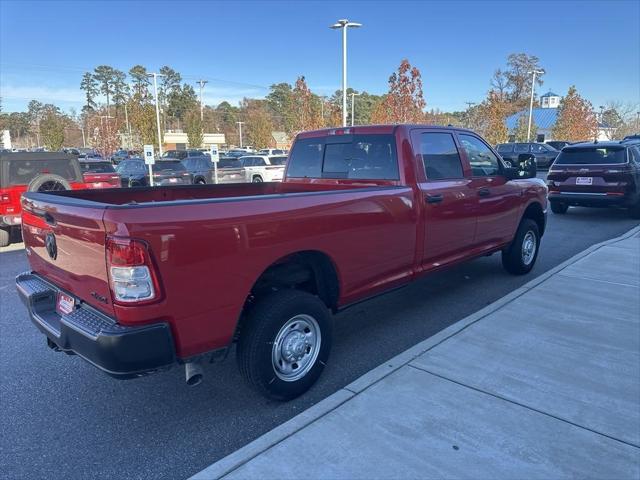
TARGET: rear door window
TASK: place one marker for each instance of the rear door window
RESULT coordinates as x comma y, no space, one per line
505,148
440,156
522,148
347,156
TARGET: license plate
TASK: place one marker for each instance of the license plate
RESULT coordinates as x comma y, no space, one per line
173,180
65,304
584,181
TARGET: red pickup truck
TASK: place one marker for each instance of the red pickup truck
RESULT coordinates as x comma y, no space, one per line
137,280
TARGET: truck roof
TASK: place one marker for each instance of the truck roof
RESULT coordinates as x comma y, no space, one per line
375,129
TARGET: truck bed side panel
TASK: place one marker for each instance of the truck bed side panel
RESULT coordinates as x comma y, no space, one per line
210,254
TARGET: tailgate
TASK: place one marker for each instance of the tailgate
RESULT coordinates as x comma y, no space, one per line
65,243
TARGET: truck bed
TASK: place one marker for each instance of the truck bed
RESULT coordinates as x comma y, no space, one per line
145,195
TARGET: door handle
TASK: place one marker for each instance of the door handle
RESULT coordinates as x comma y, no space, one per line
484,192
434,198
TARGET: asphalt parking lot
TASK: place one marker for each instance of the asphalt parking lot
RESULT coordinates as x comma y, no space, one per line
62,418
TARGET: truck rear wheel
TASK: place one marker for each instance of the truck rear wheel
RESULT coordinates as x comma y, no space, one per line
5,237
285,343
521,255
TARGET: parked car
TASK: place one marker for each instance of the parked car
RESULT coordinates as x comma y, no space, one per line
599,174
135,173
631,137
558,144
33,172
181,154
272,151
545,154
200,168
262,168
236,153
361,211
99,174
88,153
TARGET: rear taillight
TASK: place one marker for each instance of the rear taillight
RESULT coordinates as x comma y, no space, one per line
131,273
4,198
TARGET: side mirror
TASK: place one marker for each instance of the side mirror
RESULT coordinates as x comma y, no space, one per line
527,165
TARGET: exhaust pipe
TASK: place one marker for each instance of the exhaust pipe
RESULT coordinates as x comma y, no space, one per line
193,373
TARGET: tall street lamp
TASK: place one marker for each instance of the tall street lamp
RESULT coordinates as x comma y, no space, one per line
353,101
344,24
533,87
155,93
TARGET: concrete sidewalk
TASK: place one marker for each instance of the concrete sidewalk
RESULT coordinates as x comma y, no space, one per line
544,383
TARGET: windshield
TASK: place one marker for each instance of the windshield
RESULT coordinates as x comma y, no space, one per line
168,166
96,167
591,156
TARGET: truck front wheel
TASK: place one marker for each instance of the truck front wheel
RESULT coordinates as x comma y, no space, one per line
284,343
520,256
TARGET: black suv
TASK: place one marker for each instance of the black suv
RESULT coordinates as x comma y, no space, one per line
596,175
545,154
200,168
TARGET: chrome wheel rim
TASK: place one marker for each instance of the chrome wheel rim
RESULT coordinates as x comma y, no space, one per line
529,245
296,348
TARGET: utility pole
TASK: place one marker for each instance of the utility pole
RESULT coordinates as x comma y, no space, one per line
469,105
533,87
240,131
155,94
202,83
344,24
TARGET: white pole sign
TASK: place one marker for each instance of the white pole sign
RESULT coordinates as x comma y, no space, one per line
150,160
215,158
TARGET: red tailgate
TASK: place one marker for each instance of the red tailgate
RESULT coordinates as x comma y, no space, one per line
75,258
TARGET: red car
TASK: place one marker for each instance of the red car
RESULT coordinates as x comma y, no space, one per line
99,174
138,280
33,172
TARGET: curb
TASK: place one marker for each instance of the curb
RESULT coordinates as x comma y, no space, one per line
245,454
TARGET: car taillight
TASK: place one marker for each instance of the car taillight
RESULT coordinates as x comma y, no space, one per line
131,273
4,198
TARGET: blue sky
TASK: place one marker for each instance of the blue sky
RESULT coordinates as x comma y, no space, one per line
243,47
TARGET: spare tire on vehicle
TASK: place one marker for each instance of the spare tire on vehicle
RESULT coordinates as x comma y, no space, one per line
48,182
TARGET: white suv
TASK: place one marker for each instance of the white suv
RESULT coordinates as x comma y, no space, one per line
263,168
272,151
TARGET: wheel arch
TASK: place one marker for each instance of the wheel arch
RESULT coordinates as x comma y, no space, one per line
535,212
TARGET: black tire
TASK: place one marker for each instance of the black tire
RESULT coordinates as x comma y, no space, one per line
259,332
200,181
514,259
5,237
257,179
48,183
559,207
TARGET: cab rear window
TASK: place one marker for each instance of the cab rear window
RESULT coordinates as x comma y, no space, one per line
96,167
591,156
367,157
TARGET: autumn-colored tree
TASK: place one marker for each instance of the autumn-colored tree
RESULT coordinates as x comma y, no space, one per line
491,115
522,128
404,103
142,117
103,130
257,122
576,120
195,133
306,113
52,131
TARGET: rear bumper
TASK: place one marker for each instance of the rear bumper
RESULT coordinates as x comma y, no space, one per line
590,199
122,352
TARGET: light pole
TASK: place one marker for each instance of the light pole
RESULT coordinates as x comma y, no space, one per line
533,87
155,94
323,99
353,101
202,83
344,24
469,105
240,131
